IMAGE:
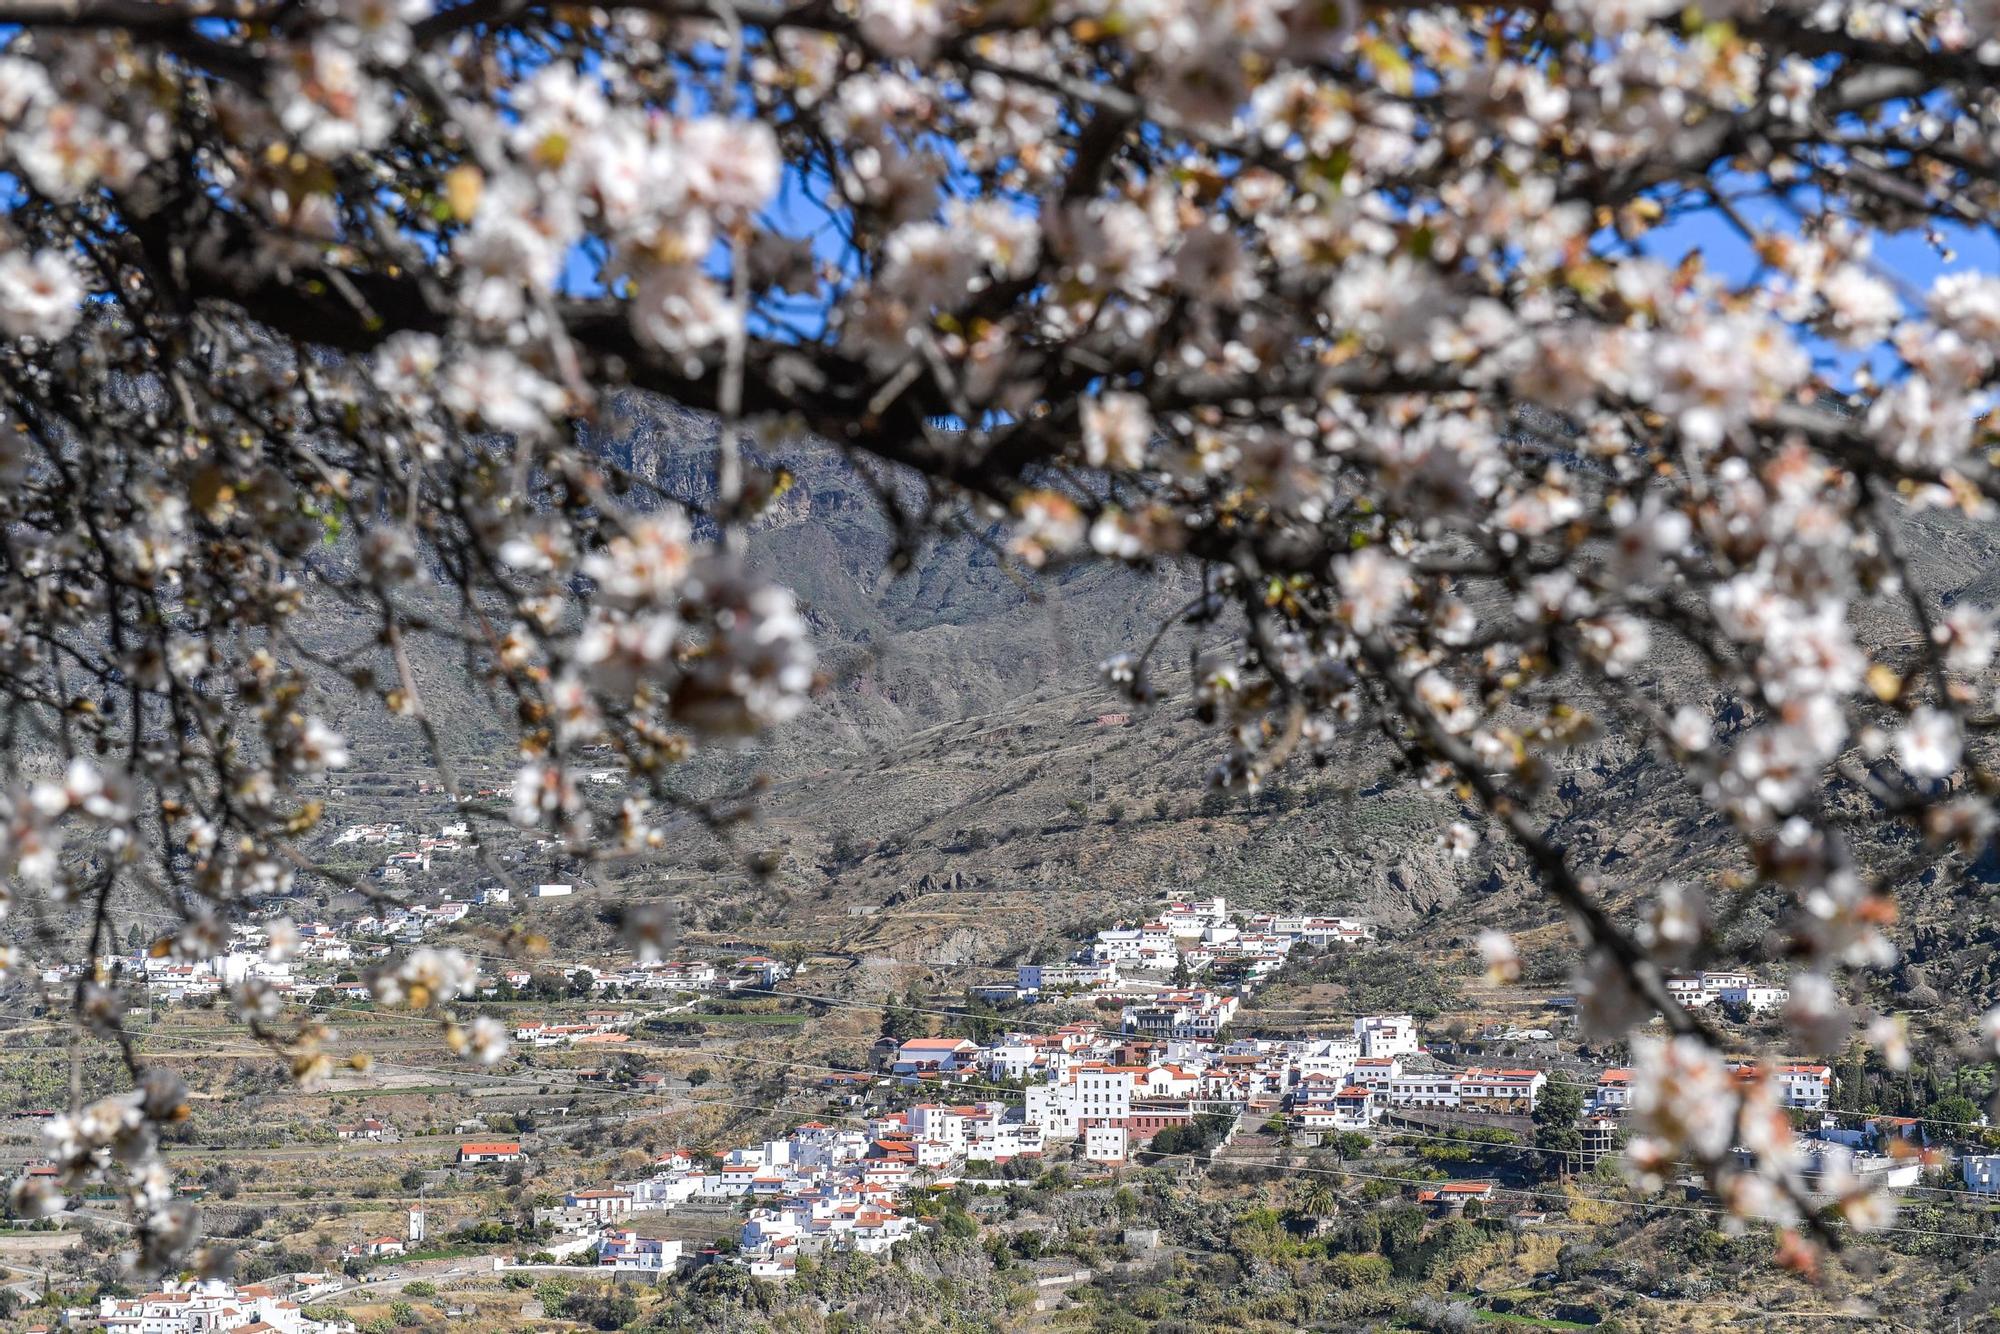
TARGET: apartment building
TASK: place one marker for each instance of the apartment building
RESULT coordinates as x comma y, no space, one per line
1424,1089
1505,1092
622,1251
1034,978
1387,1035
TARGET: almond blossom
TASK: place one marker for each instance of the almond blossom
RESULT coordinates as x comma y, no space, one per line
1371,319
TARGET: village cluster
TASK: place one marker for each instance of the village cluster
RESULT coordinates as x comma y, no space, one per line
1140,1080
818,1189
294,962
1195,939
213,1307
1080,1089
935,1110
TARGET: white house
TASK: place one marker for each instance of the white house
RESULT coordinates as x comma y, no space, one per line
688,975
1194,916
1687,990
1052,1108
1805,1086
1981,1172
1320,932
1091,1093
1697,990
623,1251
1376,1072
999,1141
1351,1108
208,1307
1180,1014
932,1123
1325,1056
1104,1092
1016,1059
1387,1035
1613,1092
554,891
603,1205
1119,944
1034,978
1105,1144
1354,1107
934,1055
324,949
1503,1091
1756,997
1434,1088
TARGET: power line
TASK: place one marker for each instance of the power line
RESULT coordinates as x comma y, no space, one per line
1398,1131
693,1103
1018,1024
557,1077
837,1002
1141,1103
1523,1192
1597,1199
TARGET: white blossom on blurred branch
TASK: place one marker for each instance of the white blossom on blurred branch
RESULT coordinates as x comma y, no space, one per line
1352,304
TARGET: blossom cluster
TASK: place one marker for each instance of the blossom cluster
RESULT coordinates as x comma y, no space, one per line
1375,313
118,1135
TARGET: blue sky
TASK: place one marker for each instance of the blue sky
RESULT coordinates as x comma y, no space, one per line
1908,259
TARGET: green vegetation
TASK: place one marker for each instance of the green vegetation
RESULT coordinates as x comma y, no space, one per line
1557,1133
1196,1137
903,1019
1528,1321
601,1306
747,1017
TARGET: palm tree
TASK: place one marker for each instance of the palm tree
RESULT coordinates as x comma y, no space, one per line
1315,1200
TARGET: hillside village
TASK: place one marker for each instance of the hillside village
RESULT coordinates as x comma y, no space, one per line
1168,1076
830,665
1192,1042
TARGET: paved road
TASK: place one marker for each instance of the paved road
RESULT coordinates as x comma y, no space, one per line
30,1287
427,1271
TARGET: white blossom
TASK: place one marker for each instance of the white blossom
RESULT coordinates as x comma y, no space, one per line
1496,949
904,27
1374,586
1928,746
332,342
41,295
1116,430
484,1040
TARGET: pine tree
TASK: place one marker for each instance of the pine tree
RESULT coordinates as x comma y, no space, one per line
1556,1114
